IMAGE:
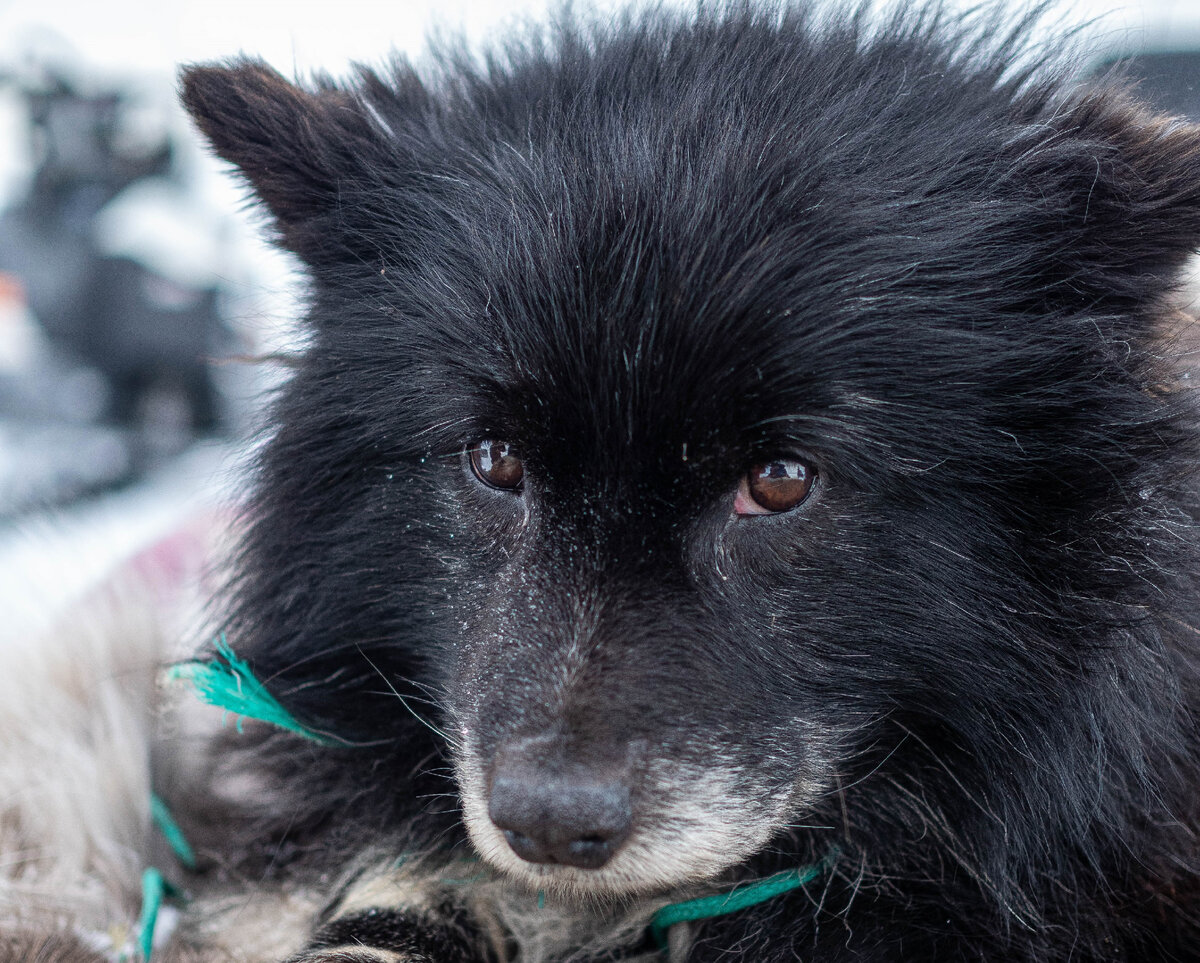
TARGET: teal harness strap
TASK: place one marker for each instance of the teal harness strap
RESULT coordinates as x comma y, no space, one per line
739,898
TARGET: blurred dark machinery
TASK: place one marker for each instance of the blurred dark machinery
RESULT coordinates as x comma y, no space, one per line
105,360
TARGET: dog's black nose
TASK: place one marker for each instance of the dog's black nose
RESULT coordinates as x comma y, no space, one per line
557,811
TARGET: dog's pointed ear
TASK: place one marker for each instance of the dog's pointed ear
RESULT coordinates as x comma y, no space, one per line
1128,187
303,151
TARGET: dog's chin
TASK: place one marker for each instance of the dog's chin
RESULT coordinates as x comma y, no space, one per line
637,869
701,831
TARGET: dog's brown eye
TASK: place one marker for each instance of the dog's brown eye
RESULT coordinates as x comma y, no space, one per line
496,464
773,487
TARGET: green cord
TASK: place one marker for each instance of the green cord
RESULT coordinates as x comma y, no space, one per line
739,898
228,682
154,887
171,832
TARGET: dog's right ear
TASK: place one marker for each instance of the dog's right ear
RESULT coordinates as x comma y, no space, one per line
303,151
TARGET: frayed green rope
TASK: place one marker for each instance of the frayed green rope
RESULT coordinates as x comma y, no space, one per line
739,898
228,682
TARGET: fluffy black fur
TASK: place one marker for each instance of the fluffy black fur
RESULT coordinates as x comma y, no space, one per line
651,256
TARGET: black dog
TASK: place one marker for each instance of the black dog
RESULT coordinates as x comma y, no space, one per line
727,444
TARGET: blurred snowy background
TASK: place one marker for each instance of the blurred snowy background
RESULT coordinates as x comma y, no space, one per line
133,288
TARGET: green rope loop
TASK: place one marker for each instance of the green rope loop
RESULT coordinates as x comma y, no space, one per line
739,898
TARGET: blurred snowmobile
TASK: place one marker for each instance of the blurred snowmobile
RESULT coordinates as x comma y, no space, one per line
107,367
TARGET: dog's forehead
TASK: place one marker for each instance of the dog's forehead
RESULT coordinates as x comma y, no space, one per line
629,352
636,345
623,312
626,295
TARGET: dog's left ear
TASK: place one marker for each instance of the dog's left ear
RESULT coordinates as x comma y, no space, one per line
306,152
1121,188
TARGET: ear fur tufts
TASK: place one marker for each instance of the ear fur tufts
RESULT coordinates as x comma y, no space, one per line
300,150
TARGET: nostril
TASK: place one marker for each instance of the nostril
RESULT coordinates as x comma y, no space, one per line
590,853
525,847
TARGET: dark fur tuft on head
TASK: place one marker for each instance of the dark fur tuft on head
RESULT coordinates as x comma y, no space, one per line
301,150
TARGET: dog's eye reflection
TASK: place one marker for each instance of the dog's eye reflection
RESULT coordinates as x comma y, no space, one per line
773,487
495,463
